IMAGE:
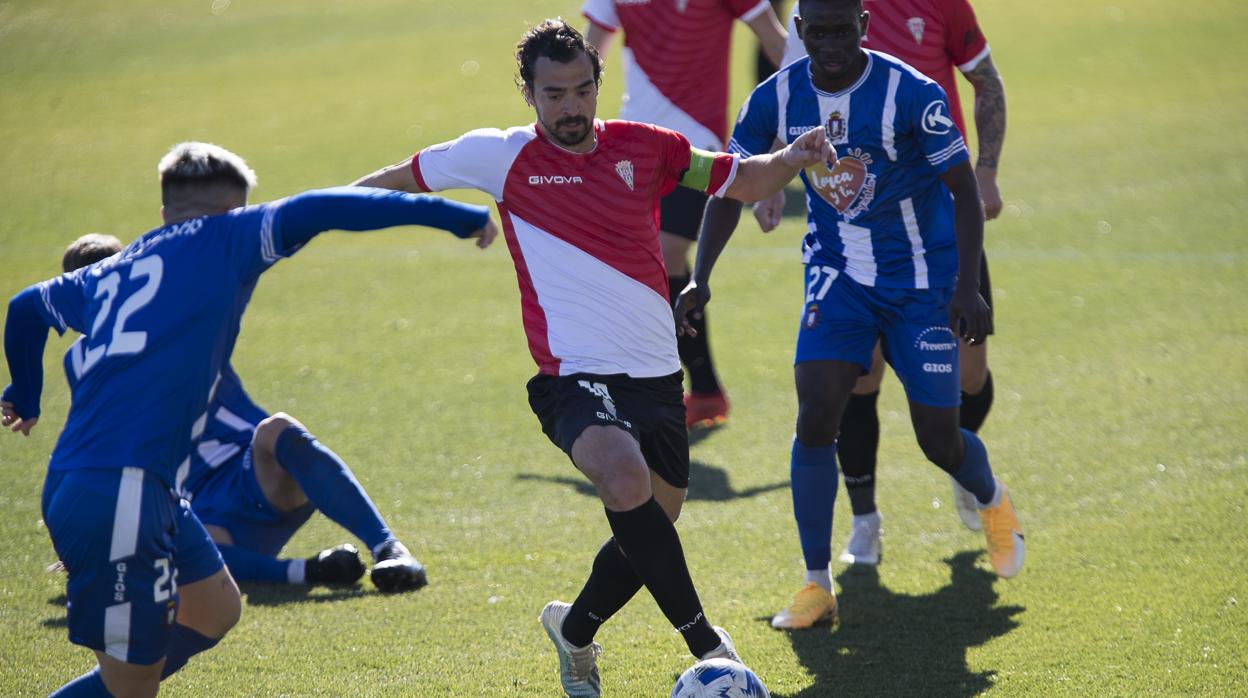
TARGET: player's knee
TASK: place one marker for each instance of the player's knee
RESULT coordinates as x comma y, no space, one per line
229,606
623,487
818,421
942,447
264,442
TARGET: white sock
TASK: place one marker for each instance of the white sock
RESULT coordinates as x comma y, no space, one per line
295,571
821,577
873,517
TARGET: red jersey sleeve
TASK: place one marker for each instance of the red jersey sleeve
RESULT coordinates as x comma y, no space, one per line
746,10
963,39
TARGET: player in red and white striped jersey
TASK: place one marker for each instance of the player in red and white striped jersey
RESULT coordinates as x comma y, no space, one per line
934,36
676,59
579,200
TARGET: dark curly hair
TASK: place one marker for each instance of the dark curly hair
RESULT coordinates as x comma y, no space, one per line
556,40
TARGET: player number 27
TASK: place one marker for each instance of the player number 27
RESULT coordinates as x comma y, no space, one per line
122,341
815,291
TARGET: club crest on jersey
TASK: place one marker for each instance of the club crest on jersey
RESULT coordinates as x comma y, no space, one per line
810,318
835,129
916,25
848,187
624,168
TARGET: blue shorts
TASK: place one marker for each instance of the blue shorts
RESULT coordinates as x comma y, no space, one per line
232,499
127,541
842,320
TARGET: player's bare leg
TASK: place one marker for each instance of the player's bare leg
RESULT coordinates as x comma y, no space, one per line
823,387
705,403
125,680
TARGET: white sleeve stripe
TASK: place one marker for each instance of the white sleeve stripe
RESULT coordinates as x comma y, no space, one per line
974,62
945,152
47,303
946,158
735,147
760,8
268,251
732,175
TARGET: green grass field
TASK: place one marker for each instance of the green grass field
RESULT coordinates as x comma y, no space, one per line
1121,273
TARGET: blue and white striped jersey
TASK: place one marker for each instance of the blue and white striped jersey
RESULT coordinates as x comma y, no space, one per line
882,215
232,420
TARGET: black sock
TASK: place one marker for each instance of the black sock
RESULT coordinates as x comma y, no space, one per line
856,447
612,582
649,540
695,352
975,407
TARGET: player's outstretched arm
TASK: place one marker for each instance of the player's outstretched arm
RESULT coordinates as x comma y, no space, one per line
25,335
969,315
305,215
761,175
718,223
398,177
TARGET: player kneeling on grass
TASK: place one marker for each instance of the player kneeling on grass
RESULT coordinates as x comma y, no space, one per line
255,479
147,588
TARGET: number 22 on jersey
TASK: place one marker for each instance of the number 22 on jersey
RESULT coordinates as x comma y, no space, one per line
87,353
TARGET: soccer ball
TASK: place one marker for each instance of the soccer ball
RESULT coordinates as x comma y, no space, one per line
719,678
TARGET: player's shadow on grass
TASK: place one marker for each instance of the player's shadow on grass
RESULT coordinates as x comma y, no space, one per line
899,644
60,621
282,594
706,483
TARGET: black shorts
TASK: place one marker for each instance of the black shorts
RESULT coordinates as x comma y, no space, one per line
680,213
651,409
985,283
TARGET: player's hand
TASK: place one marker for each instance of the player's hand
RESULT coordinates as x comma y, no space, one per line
969,315
9,418
811,147
485,235
988,191
768,211
691,300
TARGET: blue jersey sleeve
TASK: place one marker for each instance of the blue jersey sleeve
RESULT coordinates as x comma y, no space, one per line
25,335
757,125
931,123
271,231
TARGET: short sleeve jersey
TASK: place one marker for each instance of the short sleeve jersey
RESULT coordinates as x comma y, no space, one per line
934,36
582,229
160,320
882,215
676,60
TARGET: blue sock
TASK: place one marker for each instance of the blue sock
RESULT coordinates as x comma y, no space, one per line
248,566
330,486
975,475
814,481
184,643
89,685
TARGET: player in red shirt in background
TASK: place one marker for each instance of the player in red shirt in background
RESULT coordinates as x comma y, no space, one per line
676,59
934,36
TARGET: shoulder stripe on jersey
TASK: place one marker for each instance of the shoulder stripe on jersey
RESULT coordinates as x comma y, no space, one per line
735,147
233,421
46,296
126,514
948,152
918,254
887,129
974,62
782,105
268,251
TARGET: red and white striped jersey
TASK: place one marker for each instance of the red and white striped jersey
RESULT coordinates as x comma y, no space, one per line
675,57
583,233
933,36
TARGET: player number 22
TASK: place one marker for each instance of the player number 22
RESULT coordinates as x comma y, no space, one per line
123,342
